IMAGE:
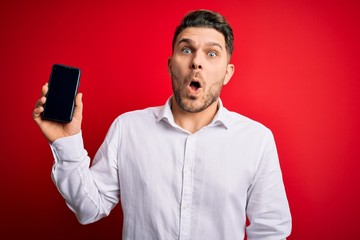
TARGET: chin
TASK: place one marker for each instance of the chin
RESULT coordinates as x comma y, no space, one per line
192,106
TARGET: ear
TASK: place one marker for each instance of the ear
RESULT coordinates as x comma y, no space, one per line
169,65
230,69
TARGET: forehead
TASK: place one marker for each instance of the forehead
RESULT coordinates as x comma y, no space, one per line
201,35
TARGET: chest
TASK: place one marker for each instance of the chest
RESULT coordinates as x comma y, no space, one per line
219,163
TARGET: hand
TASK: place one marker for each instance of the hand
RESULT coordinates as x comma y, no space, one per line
54,130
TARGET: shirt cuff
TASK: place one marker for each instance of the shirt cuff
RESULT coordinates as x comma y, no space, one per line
70,149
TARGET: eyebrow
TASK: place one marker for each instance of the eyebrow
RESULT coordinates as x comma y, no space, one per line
190,41
185,40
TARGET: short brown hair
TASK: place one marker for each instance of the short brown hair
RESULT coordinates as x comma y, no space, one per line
209,19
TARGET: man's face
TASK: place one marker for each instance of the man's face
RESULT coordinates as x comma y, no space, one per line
199,68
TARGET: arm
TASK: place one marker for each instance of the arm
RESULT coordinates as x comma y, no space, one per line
267,206
90,193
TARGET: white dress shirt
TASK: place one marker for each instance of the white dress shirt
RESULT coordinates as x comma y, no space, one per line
174,184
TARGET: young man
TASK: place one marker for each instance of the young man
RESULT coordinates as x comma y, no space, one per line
190,169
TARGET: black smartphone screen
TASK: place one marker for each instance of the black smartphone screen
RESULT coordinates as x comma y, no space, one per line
63,85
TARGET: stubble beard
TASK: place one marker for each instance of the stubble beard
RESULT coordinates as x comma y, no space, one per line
190,103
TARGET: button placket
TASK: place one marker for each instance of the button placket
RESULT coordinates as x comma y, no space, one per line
187,188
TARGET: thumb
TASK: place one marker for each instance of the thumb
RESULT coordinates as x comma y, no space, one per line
78,106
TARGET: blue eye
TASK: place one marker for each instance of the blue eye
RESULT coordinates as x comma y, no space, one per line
212,54
186,51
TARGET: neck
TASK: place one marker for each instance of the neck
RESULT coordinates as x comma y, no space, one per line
193,122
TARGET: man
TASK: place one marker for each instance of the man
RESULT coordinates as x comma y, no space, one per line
190,169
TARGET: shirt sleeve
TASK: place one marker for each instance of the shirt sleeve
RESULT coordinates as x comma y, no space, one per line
91,193
267,207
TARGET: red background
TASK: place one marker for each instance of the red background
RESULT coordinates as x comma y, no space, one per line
297,72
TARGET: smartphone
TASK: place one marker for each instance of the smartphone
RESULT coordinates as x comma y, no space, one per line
60,99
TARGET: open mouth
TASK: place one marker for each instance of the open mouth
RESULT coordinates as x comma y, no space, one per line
195,85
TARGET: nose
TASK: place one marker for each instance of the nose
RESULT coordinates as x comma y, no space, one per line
196,62
195,66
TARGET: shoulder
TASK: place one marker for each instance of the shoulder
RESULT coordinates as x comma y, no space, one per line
139,116
250,132
237,121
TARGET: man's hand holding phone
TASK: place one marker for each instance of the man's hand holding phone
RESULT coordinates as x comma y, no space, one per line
52,129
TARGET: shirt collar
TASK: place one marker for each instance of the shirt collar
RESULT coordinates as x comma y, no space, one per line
220,119
165,113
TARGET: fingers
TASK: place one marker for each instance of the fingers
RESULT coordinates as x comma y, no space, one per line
44,89
36,115
38,108
37,112
40,102
78,106
78,100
